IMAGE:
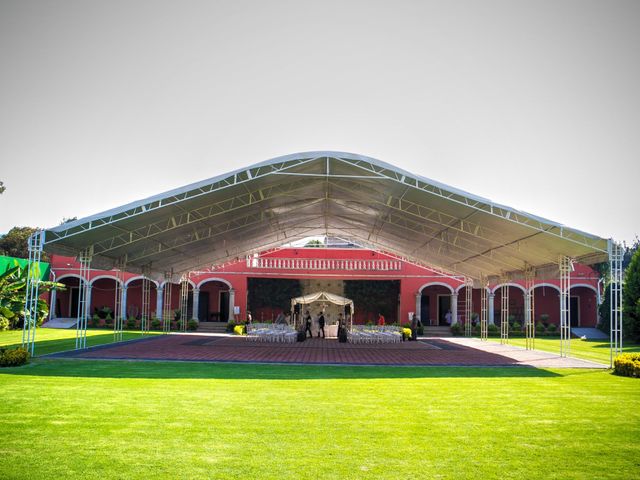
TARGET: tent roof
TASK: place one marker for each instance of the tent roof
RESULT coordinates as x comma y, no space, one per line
361,199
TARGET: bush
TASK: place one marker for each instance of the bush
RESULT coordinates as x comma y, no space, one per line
406,333
95,321
239,330
108,321
420,330
492,330
516,328
539,328
192,325
14,357
230,326
544,318
156,324
4,323
131,323
552,328
456,329
627,364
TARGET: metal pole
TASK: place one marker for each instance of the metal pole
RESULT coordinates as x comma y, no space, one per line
166,311
616,254
120,307
84,297
529,317
468,306
504,313
565,266
184,298
35,246
146,296
484,327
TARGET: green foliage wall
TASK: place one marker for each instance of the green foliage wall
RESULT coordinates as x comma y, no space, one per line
272,292
374,296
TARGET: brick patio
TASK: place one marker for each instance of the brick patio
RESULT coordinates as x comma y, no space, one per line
193,347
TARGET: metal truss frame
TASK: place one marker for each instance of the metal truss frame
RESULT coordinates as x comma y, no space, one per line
504,312
35,246
468,311
184,302
478,204
616,255
529,308
484,302
146,300
120,300
84,298
565,265
167,313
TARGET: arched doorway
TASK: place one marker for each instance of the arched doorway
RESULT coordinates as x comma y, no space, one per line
103,293
547,304
134,299
584,306
435,302
516,305
213,300
67,299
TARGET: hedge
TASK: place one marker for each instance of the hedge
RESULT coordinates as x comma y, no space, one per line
627,364
13,358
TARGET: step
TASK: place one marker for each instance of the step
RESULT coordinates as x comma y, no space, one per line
212,327
439,331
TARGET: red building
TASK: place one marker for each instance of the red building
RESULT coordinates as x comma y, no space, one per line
222,294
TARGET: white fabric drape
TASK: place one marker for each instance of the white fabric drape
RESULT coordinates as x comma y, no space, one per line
322,297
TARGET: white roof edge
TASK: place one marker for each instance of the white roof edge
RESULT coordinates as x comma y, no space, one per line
311,154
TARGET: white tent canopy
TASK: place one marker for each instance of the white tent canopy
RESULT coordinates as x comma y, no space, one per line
322,297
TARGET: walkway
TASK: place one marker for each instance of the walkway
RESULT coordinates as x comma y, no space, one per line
428,351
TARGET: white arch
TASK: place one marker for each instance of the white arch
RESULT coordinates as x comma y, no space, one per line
500,285
215,279
110,277
585,285
193,285
139,277
431,284
71,275
557,288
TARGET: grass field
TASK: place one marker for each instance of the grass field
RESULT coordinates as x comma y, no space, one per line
594,350
52,340
114,419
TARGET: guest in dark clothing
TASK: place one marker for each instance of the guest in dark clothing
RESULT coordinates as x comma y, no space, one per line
307,324
321,325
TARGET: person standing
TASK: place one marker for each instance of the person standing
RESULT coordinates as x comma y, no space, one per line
380,320
307,324
321,324
414,327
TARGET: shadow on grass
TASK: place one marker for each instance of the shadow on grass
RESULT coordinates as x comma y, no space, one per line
235,371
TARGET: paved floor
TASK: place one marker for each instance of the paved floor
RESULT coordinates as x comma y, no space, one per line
428,351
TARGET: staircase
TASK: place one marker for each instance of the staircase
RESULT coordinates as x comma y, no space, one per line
212,327
433,331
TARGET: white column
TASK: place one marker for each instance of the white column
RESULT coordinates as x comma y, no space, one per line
159,297
52,305
232,302
419,305
88,311
123,307
454,308
491,308
196,303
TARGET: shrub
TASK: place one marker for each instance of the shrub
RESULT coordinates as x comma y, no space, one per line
627,364
492,330
420,330
456,329
516,328
539,328
108,321
4,323
179,324
14,357
239,330
230,326
552,328
544,318
131,323
95,321
155,324
192,326
406,333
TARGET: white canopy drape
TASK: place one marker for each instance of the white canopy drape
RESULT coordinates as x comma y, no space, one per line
322,297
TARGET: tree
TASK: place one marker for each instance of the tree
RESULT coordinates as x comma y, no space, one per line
14,243
631,300
13,288
314,243
2,187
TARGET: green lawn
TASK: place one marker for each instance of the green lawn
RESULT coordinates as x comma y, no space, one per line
52,340
594,350
114,419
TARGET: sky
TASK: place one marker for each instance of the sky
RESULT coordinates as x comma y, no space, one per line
533,104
